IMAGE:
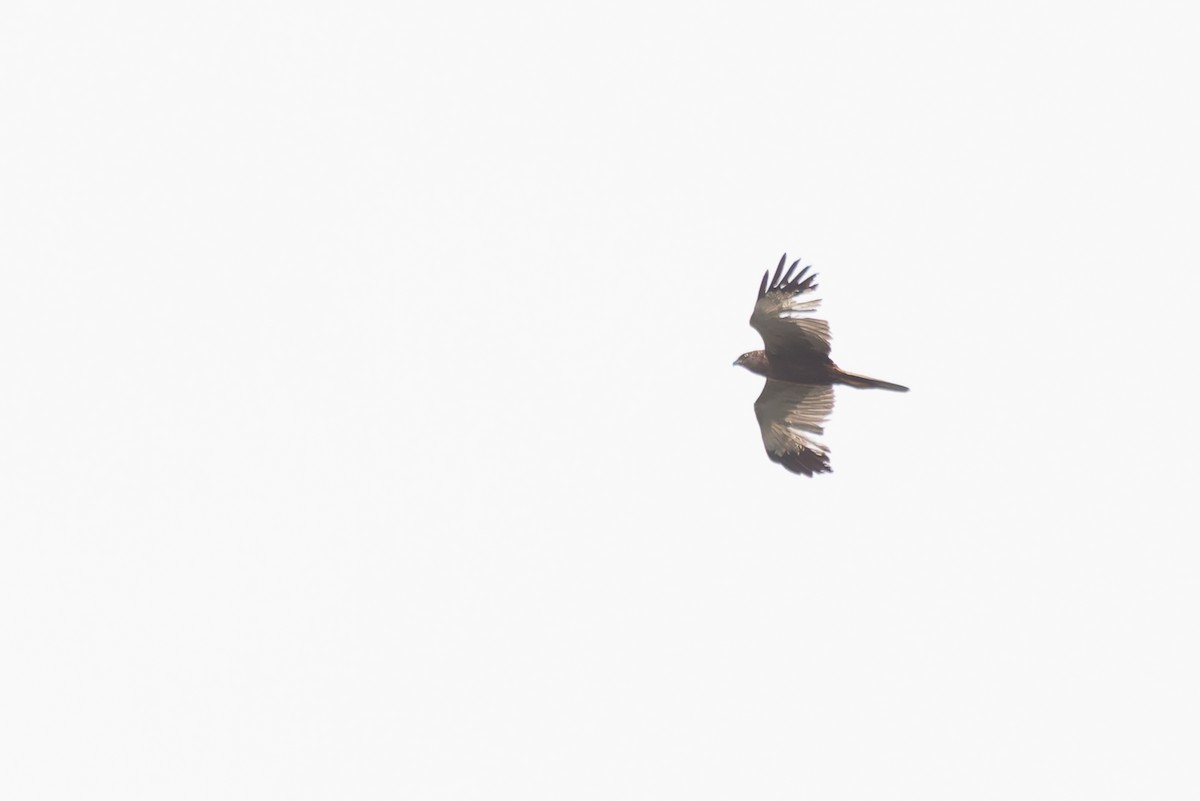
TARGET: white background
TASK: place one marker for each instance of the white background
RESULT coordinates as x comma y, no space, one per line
369,429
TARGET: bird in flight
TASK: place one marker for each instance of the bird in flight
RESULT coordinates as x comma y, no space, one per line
798,396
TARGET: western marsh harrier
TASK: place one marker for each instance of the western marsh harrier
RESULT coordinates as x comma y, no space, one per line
798,396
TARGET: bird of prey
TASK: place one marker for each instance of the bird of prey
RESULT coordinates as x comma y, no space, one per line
798,396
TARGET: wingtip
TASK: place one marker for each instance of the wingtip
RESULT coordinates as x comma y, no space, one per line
804,463
779,271
791,281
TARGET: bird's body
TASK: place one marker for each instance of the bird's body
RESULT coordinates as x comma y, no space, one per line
797,397
817,370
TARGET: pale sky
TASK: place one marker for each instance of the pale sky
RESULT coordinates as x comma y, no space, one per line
370,431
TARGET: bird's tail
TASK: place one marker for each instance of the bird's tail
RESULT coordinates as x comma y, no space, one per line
862,382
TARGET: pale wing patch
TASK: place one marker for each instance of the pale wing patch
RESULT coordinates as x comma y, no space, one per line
789,416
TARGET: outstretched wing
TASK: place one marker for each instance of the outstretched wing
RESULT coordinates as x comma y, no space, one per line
789,416
781,317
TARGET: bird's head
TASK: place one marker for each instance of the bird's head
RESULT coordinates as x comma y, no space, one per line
755,361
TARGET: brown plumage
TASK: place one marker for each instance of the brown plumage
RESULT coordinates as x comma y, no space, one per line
797,398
